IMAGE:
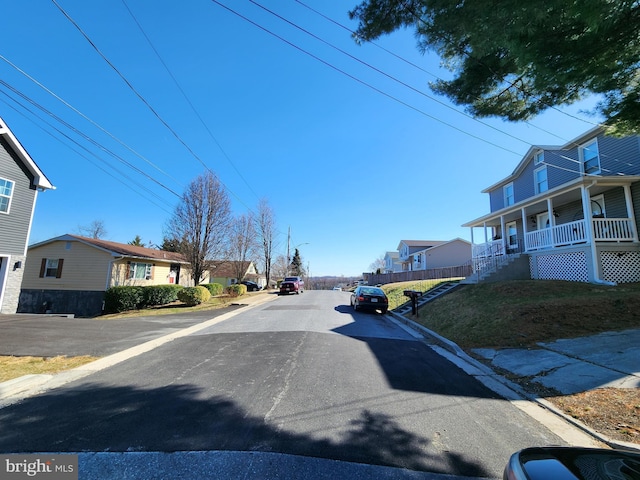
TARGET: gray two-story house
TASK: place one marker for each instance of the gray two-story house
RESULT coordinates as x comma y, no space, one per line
20,182
572,210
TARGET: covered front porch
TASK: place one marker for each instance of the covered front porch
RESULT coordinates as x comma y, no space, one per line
592,214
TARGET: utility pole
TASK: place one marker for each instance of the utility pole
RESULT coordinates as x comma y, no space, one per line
286,274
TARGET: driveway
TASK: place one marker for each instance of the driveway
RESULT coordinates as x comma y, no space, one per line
50,335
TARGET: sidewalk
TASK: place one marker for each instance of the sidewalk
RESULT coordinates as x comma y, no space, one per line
610,359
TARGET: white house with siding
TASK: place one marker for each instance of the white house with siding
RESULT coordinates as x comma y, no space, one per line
20,182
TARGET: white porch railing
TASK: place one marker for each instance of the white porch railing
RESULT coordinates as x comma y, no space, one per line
573,233
489,249
613,229
604,229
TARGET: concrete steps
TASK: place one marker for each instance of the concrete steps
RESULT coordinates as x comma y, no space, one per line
429,296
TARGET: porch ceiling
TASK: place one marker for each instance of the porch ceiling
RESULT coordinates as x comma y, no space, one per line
567,193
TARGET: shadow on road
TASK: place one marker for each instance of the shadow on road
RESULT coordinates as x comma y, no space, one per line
178,418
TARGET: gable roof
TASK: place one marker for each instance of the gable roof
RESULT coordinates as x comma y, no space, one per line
39,179
534,148
443,244
421,243
119,249
227,268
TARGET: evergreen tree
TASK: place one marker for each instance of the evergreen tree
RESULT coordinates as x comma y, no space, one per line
514,59
296,268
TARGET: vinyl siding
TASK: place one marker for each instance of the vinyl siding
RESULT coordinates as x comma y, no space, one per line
14,226
449,255
85,267
619,155
159,272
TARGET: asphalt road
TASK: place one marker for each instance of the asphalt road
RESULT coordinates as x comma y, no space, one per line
303,376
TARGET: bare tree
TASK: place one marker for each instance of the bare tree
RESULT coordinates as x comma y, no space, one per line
280,267
378,265
201,222
266,227
242,244
95,229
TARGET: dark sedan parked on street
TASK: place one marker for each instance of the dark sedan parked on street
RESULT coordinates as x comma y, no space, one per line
366,297
251,286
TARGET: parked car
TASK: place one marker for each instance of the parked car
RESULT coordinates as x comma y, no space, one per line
291,285
251,286
572,463
337,289
372,298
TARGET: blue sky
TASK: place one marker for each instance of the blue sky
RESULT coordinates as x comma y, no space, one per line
350,147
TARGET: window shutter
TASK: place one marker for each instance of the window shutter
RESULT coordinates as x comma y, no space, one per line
59,271
127,275
43,265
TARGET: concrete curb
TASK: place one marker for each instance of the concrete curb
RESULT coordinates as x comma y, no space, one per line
512,387
14,390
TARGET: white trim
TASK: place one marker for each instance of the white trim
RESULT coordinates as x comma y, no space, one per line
581,149
4,274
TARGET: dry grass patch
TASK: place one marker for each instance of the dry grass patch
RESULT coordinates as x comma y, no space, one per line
14,367
612,411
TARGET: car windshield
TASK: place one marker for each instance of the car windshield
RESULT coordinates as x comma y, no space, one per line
291,279
371,291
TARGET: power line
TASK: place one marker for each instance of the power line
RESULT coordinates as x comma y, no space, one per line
362,82
95,124
118,178
185,96
143,100
86,137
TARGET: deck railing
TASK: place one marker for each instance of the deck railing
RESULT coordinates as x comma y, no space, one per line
573,233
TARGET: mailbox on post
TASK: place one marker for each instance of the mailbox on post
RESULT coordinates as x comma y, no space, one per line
413,295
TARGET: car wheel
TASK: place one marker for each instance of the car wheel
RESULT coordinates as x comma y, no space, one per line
355,307
384,310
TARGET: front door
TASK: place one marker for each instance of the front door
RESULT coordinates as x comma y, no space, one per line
512,237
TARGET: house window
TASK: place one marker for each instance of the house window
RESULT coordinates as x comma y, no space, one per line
540,175
141,271
51,267
508,195
538,158
6,191
590,158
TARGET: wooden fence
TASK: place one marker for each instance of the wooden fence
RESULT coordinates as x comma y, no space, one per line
460,271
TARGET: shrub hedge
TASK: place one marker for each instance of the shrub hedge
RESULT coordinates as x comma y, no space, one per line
160,294
192,296
214,288
125,297
236,289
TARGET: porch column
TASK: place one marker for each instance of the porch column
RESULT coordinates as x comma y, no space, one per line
484,225
502,235
630,213
524,229
588,223
552,219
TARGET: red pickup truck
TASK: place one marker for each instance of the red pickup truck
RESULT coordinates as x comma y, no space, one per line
291,285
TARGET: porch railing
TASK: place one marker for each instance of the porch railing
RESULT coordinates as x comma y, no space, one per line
604,229
613,229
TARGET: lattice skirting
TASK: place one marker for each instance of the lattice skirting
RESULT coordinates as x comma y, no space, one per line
571,266
620,267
